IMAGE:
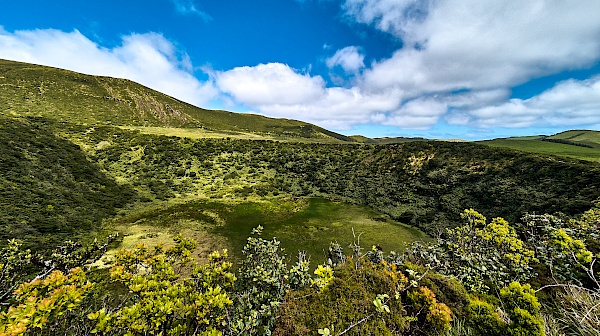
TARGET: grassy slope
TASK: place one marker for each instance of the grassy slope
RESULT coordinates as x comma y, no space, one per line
571,145
426,184
27,89
51,192
584,137
423,183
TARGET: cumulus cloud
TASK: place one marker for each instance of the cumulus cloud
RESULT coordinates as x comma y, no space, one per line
349,58
570,102
397,17
277,90
149,59
459,60
268,84
475,46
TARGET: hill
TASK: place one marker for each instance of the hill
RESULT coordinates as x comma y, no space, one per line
34,90
584,138
582,145
150,172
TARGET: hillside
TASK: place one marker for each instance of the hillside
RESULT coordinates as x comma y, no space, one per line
33,90
584,138
410,180
49,191
582,145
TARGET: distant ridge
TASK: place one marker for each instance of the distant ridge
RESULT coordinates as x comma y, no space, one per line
583,138
385,140
578,144
35,90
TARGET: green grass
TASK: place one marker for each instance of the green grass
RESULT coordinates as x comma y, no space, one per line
201,133
547,148
579,135
583,137
307,224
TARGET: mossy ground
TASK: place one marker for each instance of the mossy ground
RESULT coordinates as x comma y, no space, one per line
306,224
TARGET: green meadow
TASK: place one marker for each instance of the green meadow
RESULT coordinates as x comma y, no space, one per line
301,224
548,148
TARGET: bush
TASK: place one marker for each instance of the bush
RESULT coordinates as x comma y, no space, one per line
483,318
367,298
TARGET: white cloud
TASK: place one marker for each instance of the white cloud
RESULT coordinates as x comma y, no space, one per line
277,90
568,103
268,84
349,58
397,17
149,59
476,45
480,44
417,114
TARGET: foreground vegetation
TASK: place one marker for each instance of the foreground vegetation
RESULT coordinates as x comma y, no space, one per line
480,278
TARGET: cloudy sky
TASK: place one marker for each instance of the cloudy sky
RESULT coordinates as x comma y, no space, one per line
470,69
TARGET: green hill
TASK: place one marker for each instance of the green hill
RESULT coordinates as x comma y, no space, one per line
34,90
81,156
582,145
65,164
584,138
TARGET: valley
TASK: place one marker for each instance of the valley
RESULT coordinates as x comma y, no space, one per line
85,157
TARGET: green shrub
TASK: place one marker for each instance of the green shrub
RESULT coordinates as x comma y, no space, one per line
347,300
483,318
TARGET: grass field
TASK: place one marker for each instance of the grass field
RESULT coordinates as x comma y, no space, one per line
200,133
584,137
308,224
544,147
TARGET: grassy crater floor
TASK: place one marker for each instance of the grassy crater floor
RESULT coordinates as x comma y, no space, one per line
307,224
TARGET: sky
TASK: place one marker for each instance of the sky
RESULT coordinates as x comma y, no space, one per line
444,69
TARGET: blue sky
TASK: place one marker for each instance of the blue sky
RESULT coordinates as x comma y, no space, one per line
469,69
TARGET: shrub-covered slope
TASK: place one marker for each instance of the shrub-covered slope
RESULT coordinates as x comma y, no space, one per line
49,191
422,183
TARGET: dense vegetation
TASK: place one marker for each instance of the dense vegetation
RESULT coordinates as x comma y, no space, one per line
163,291
422,183
50,192
524,263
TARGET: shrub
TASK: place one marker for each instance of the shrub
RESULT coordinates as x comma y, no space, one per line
483,318
354,294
